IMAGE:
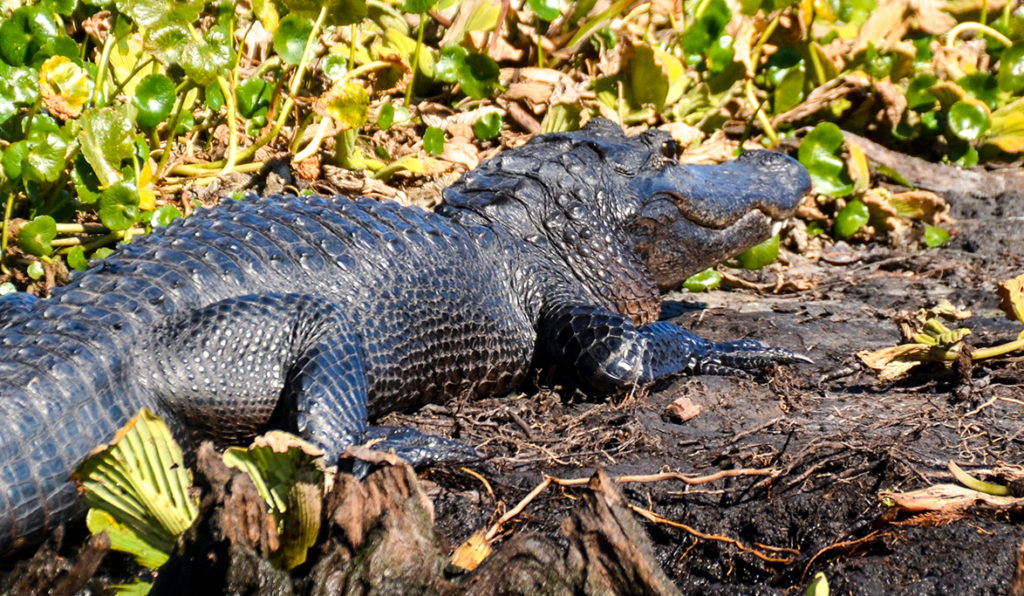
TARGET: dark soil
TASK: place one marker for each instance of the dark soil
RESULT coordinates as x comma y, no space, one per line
836,435
830,435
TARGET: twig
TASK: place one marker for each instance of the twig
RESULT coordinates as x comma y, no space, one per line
655,518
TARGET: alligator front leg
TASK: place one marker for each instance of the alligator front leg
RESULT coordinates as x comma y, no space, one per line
607,351
236,366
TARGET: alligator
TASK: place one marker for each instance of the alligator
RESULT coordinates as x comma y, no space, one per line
318,314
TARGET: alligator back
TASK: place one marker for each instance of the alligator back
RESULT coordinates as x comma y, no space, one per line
78,365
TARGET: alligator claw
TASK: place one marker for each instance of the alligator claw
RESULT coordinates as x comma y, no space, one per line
411,445
739,358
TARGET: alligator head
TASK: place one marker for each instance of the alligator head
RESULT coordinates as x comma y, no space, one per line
599,199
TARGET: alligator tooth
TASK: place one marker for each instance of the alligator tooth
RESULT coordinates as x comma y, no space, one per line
776,226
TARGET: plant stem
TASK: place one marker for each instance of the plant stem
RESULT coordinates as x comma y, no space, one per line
972,26
8,209
98,98
415,59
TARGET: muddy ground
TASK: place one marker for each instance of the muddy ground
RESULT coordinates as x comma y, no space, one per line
836,435
827,437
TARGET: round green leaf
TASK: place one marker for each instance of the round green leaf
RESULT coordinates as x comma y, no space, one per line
761,255
45,160
720,54
981,86
820,154
386,117
214,97
36,271
102,252
647,79
935,236
119,206
488,126
546,10
706,280
107,139
334,66
13,157
76,259
290,38
154,100
968,119
919,95
23,33
7,288
479,78
851,218
1011,68
433,141
254,94
163,216
35,236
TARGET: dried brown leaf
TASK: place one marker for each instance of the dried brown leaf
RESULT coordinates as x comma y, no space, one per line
1011,298
683,409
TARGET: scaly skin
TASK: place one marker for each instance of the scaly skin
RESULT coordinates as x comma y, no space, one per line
317,314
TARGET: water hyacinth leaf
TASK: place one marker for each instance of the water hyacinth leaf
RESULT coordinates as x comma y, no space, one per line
24,32
546,10
705,281
87,185
919,95
107,139
488,126
1011,69
476,73
76,258
64,87
981,86
44,161
12,158
35,236
433,140
149,13
656,77
119,206
789,91
253,95
968,119
347,103
935,236
820,154
35,271
204,60
338,12
760,255
22,85
290,38
163,216
386,117
851,218
141,483
153,100
334,66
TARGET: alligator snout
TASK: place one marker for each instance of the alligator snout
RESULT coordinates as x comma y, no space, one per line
717,196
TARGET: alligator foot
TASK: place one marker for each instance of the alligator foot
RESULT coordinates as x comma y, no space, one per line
741,358
412,446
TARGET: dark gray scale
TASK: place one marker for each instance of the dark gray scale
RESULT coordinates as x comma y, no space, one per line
318,314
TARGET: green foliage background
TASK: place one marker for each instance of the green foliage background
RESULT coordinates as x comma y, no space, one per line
113,108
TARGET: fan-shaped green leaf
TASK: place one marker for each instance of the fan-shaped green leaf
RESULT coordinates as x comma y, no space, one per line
119,206
290,38
820,154
107,139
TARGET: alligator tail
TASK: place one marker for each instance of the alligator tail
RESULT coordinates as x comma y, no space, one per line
59,376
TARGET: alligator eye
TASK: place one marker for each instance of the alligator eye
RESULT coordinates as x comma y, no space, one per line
671,149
